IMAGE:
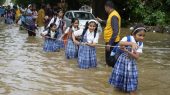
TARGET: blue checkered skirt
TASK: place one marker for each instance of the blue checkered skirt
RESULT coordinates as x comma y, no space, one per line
51,45
87,57
61,42
8,20
71,50
125,74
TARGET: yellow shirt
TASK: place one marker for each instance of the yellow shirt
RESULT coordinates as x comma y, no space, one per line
40,19
108,31
18,13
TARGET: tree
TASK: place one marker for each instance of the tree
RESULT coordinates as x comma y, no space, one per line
2,2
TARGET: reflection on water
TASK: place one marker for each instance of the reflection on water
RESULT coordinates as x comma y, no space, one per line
26,70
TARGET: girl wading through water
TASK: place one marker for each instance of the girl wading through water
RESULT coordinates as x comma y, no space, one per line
89,39
51,42
71,49
125,74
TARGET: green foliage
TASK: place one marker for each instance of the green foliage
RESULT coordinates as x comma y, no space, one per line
150,12
26,2
2,2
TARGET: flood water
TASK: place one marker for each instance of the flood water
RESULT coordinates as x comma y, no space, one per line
26,70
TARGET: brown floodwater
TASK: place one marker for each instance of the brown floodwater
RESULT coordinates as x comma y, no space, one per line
26,70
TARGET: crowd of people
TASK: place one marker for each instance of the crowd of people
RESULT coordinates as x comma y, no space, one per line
81,43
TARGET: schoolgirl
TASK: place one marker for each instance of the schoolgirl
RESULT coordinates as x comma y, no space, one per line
87,50
51,41
61,25
71,49
125,74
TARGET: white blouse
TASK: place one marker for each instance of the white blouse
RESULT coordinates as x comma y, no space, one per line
68,28
46,32
90,35
57,22
139,50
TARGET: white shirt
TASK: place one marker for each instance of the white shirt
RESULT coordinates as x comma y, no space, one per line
46,32
52,20
139,50
90,35
57,22
68,28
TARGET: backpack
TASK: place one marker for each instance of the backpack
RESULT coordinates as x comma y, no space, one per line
84,32
67,35
116,51
55,19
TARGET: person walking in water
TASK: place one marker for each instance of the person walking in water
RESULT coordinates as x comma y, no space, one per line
50,39
125,74
87,51
71,49
111,31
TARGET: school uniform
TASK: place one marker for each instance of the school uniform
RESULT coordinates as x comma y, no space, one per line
50,43
87,54
71,50
125,74
60,26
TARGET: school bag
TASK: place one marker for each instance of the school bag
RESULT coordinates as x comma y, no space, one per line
116,51
67,35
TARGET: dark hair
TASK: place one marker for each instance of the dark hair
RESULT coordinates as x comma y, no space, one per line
109,4
73,20
87,24
137,28
52,24
59,10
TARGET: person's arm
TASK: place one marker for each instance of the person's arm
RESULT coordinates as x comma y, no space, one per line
44,33
101,21
52,20
65,33
75,34
134,46
133,54
95,41
115,28
64,26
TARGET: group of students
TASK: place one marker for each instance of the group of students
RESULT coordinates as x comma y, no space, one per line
78,43
81,44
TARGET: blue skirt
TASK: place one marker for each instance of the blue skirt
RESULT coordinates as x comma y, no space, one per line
124,74
8,21
71,50
51,45
87,57
61,42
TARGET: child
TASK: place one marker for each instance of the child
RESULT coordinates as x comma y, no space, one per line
125,74
87,50
51,41
71,48
30,23
61,26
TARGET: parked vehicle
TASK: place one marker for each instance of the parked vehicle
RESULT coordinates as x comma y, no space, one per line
83,17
